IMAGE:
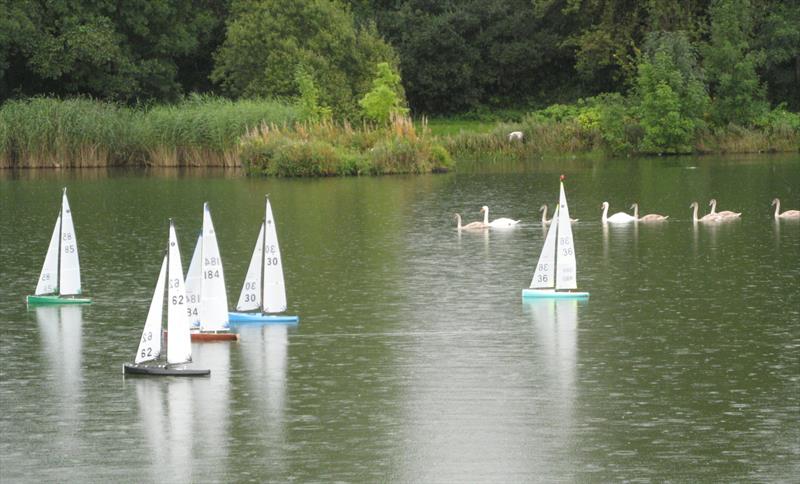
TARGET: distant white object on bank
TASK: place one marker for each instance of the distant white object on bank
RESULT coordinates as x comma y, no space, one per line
515,135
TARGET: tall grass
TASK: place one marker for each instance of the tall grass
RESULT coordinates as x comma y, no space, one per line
328,148
201,131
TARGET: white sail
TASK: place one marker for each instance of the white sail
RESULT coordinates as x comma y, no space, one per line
48,279
274,290
250,297
544,275
193,282
150,344
69,273
213,296
179,345
566,267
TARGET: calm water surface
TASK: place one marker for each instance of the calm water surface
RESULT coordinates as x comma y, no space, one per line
415,359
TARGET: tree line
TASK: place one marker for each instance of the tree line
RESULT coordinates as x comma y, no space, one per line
731,59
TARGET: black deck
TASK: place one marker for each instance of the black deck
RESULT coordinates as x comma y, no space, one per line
163,371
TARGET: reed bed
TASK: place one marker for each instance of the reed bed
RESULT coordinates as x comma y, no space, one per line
201,131
329,148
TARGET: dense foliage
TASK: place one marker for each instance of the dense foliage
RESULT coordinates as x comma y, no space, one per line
454,56
620,76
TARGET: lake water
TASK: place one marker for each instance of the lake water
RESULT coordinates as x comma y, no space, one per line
415,359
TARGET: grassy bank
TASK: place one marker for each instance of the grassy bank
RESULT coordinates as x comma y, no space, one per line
608,126
201,131
267,138
328,149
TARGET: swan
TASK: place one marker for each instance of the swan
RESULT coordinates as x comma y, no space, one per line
724,213
543,209
792,214
619,217
650,217
498,222
471,225
709,217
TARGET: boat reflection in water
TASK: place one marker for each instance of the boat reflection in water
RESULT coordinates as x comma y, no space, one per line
555,347
176,413
60,328
264,349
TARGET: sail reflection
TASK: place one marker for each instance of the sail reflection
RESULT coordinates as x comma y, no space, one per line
60,328
555,325
265,350
212,406
167,411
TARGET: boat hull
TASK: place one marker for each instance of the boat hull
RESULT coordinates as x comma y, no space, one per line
240,318
128,369
214,336
53,299
553,294
200,336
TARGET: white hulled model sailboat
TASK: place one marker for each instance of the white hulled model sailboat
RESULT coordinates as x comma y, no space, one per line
556,272
207,299
264,288
60,279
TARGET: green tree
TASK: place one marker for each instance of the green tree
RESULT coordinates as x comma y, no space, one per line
670,92
103,48
777,34
268,39
460,55
308,101
386,97
737,92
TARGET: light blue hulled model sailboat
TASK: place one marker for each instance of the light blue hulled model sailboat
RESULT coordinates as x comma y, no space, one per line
264,288
556,272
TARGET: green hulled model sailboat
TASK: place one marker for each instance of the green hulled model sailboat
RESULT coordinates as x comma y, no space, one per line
60,280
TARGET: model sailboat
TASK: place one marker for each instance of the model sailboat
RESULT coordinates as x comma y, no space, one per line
264,288
60,279
178,343
206,297
556,272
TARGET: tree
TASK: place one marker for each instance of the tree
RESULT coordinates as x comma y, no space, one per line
460,55
386,97
737,91
777,34
308,101
267,40
670,92
116,50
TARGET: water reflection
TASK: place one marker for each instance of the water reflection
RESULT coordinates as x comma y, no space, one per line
555,324
61,331
265,353
212,406
177,413
166,408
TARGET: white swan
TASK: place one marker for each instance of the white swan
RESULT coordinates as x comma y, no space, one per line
543,209
498,222
724,213
471,225
650,217
709,217
617,218
790,214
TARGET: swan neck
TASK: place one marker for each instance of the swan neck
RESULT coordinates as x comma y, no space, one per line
777,208
605,212
486,216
